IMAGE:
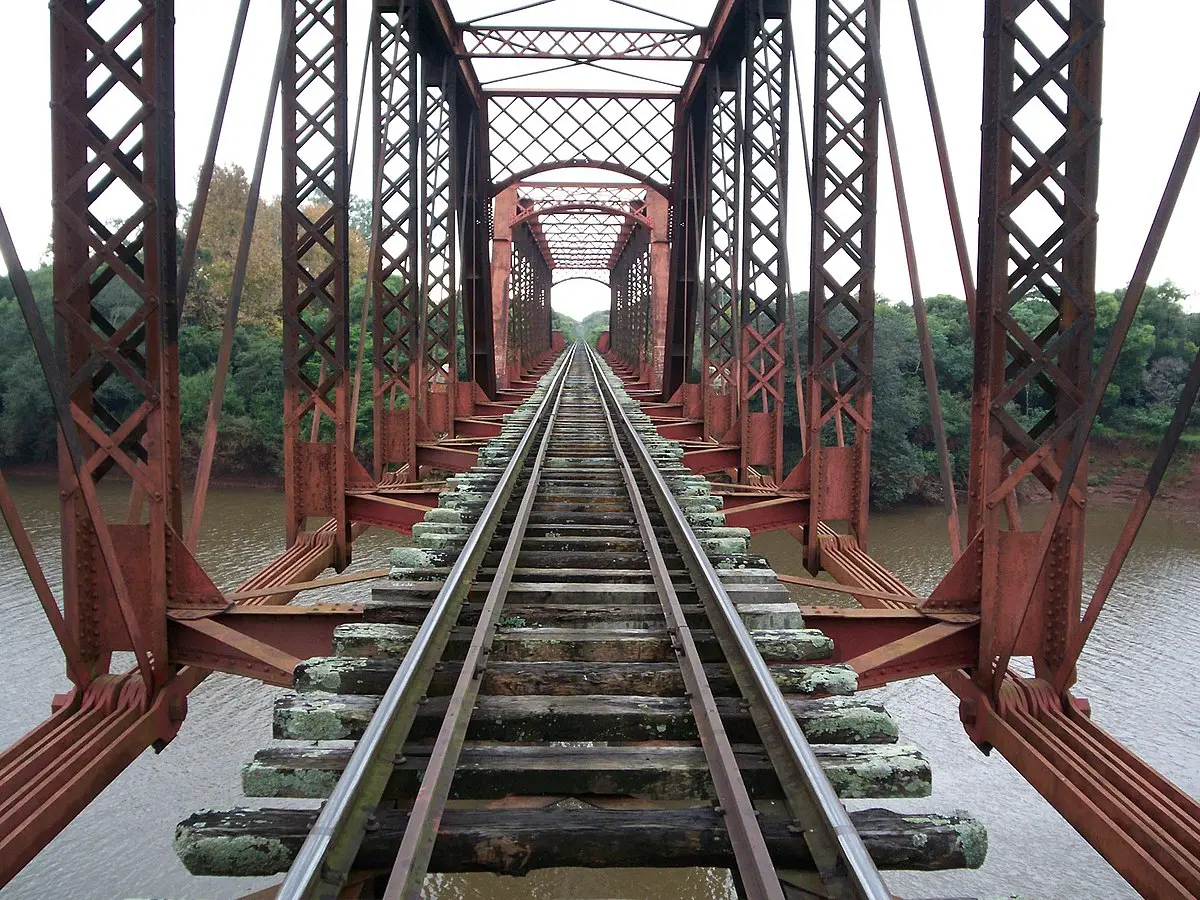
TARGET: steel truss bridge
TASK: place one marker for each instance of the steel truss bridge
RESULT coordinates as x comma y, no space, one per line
472,121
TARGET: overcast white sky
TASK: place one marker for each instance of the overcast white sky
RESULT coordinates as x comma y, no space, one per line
1150,84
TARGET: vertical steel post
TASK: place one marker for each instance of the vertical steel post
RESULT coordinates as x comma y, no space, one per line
763,283
688,187
659,270
316,278
470,148
438,381
841,300
1037,239
721,352
114,232
395,277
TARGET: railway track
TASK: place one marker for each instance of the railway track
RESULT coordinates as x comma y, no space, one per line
562,629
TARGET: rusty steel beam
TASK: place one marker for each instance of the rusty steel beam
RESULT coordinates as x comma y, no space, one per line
721,31
470,137
119,581
449,35
841,299
396,236
772,513
557,42
1141,506
1090,408
136,350
396,513
1021,254
762,280
687,196
316,284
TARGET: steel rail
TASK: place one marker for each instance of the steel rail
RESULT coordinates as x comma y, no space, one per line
845,867
754,867
325,859
420,833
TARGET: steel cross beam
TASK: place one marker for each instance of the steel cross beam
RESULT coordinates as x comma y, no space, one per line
655,44
841,300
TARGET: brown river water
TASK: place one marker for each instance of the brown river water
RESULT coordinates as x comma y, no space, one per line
1140,672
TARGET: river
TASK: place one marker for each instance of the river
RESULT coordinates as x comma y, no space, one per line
1139,671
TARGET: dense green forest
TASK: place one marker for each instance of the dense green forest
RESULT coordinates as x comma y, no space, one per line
1138,405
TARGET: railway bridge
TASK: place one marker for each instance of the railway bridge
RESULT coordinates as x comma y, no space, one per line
575,659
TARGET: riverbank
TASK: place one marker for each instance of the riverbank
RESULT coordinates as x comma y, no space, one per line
251,481
1118,471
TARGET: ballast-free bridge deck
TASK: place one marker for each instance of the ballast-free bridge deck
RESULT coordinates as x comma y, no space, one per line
579,665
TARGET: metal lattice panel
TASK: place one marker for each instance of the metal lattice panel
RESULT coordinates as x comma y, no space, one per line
396,259
580,240
1037,240
721,245
1046,219
532,133
534,198
841,309
764,204
440,313
114,229
630,286
111,212
573,44
529,314
315,254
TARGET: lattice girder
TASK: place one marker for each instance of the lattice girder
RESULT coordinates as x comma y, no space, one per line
114,212
396,226
529,312
438,373
1037,239
534,132
668,45
316,282
842,291
721,309
763,275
